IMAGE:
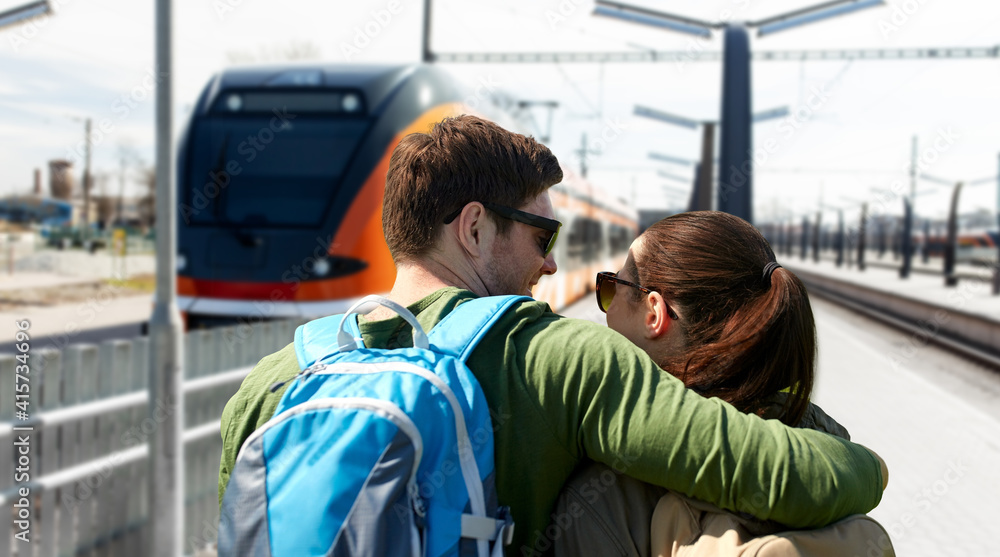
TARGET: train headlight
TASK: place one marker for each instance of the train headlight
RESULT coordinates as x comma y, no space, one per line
321,267
350,103
234,102
182,261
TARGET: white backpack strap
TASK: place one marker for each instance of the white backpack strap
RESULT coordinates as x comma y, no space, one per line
347,342
497,530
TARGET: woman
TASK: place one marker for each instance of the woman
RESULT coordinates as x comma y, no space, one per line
702,294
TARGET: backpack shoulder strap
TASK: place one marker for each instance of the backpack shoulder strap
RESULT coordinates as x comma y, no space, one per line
457,334
462,329
318,338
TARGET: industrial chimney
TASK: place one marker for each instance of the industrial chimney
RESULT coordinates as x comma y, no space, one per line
61,179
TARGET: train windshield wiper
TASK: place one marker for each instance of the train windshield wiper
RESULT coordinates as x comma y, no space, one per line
219,203
218,207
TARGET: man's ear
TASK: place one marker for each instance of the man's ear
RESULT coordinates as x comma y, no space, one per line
657,321
472,225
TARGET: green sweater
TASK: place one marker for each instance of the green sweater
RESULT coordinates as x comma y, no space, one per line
561,390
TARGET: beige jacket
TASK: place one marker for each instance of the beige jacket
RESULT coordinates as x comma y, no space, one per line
684,527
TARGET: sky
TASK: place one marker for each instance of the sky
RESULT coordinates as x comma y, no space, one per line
850,130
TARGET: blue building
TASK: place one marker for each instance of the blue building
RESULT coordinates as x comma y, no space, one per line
35,210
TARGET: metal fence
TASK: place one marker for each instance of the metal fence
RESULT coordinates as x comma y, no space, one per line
86,450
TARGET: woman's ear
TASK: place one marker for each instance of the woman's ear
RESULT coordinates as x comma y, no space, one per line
657,320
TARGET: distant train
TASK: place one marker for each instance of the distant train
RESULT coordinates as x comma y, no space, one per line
979,246
597,232
281,173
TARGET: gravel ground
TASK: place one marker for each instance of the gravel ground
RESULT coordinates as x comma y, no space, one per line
47,296
79,263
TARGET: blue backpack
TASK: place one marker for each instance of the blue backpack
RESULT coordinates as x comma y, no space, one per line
373,451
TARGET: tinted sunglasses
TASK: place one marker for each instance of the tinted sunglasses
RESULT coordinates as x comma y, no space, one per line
606,289
530,219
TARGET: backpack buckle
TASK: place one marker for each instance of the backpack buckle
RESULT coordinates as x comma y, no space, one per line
506,533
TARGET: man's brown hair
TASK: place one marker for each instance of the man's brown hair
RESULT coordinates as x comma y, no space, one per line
461,160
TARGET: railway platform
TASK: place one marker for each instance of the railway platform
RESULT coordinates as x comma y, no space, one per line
973,293
964,317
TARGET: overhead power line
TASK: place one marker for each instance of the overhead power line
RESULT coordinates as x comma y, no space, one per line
802,170
715,56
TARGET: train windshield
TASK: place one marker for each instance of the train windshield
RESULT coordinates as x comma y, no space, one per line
268,168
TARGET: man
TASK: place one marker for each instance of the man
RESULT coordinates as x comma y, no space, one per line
466,213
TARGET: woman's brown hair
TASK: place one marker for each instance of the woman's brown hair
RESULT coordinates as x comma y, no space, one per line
747,337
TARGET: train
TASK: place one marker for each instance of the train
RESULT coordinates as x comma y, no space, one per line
281,172
977,246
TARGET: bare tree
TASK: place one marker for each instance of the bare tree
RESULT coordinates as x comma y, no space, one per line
101,202
129,162
147,205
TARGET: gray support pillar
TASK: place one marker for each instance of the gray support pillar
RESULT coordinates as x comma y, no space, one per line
426,54
862,231
906,239
88,181
816,238
735,157
166,395
897,239
838,243
882,235
693,198
804,239
705,176
927,241
951,244
996,268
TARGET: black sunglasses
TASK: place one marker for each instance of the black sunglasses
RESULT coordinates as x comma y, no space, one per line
530,219
606,291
